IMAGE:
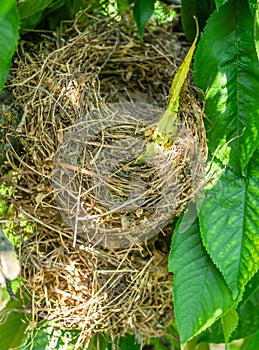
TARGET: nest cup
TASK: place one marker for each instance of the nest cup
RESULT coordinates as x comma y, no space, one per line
104,194
88,98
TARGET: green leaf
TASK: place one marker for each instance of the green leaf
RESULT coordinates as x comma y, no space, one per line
129,342
253,4
251,342
158,345
248,310
13,325
201,295
5,7
247,313
44,335
122,5
32,12
226,64
198,8
41,340
256,29
220,3
229,221
28,8
229,322
58,11
167,341
142,11
126,342
9,26
99,342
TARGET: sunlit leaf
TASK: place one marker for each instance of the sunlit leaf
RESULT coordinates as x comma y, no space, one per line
248,315
226,67
5,7
256,28
201,296
229,221
229,322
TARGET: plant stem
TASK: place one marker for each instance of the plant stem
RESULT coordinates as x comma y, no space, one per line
190,345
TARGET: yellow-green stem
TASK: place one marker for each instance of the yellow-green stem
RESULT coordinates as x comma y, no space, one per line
166,130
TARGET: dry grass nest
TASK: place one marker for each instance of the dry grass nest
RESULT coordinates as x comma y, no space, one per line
89,97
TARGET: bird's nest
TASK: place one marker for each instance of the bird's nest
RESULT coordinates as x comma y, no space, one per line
89,98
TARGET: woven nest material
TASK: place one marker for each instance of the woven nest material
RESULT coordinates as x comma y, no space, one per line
89,97
104,194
